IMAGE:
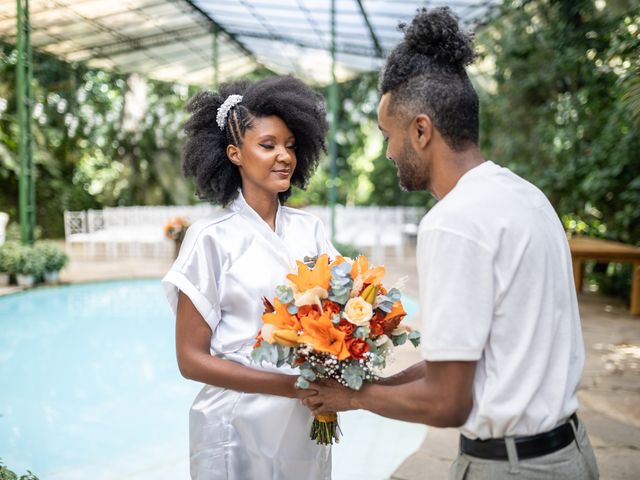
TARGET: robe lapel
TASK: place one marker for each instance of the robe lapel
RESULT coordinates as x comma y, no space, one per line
274,240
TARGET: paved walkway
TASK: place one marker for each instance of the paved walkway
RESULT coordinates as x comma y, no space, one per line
609,395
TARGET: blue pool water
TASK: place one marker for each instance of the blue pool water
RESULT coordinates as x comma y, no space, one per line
89,389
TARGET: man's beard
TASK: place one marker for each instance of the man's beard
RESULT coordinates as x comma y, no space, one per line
412,176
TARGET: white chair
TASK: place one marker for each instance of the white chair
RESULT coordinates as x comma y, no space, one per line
75,230
4,219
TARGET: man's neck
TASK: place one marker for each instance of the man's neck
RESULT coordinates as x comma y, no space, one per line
450,167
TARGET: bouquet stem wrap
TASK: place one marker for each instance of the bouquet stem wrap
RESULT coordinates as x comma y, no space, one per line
325,429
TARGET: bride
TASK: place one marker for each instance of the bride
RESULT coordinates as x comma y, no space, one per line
246,146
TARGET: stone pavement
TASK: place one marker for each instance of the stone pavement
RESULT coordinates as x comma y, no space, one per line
609,394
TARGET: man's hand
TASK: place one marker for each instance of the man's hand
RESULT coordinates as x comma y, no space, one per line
330,396
434,393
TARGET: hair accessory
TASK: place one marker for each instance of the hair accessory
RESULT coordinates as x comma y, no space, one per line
223,111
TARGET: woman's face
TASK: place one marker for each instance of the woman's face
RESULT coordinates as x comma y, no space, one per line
267,157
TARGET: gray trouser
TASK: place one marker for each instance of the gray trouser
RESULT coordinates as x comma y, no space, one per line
574,462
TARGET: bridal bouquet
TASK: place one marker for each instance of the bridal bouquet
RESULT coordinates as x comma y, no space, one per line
333,320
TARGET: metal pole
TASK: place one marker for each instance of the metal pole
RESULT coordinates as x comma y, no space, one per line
25,147
333,108
216,60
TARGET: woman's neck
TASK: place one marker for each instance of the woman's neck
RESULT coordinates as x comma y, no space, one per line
264,203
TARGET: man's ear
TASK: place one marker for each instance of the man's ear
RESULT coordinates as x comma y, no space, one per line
421,131
233,153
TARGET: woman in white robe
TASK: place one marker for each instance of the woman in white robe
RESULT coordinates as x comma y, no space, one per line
245,146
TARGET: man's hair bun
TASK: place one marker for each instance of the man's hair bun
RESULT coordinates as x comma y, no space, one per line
436,34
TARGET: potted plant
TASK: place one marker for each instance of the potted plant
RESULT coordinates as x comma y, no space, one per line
54,260
9,253
175,230
30,266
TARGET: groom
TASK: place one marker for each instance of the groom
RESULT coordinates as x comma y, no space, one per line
501,332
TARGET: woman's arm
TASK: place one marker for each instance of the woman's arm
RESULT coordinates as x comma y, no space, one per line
193,337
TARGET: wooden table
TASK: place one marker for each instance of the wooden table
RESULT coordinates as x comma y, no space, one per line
583,249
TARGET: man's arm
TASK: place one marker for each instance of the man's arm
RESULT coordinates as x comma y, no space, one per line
441,397
414,372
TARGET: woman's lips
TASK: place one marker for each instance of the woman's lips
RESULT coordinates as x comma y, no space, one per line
282,173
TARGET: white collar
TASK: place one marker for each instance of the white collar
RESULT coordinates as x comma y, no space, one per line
240,205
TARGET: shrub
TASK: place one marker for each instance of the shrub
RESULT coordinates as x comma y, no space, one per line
54,258
9,256
30,262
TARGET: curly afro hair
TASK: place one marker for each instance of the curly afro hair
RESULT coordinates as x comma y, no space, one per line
426,73
204,155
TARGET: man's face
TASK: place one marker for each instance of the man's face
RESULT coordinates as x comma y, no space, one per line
413,173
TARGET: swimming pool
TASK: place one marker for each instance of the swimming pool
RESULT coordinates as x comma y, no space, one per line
89,389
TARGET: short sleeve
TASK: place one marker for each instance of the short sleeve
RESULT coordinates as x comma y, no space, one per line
194,273
456,296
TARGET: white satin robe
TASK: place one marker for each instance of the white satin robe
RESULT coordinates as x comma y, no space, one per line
225,266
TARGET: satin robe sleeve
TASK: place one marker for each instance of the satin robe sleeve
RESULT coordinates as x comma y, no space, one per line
324,242
195,273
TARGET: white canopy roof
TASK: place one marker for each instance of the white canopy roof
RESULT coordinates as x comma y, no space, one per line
172,40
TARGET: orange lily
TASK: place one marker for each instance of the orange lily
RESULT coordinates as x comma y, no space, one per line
307,278
281,318
287,338
324,337
369,276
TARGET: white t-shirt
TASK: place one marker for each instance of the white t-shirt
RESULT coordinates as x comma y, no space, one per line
496,286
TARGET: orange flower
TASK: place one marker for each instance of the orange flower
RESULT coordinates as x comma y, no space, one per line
319,276
324,337
280,318
331,307
259,340
288,338
346,327
357,347
369,276
306,310
393,318
397,310
377,324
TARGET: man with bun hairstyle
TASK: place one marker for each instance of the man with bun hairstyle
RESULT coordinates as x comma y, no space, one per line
501,331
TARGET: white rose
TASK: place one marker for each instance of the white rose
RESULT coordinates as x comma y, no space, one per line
358,311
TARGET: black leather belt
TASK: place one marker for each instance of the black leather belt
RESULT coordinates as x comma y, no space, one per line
527,447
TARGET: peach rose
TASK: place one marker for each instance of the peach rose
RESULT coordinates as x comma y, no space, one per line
358,311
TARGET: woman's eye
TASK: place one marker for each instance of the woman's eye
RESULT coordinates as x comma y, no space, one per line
267,146
291,147
385,140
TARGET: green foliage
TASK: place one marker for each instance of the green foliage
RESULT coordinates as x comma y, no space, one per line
6,474
54,258
30,262
101,139
9,257
560,107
